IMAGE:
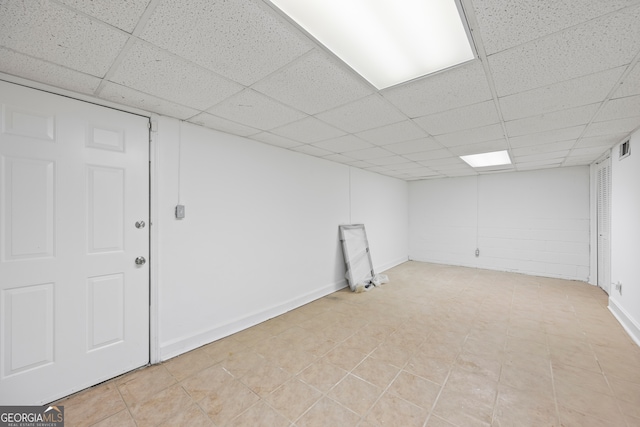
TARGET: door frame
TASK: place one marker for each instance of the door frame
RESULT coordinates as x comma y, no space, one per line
154,343
154,316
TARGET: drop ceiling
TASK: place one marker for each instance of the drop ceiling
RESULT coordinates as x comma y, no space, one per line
555,82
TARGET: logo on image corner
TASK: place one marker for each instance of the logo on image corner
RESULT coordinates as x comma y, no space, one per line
32,416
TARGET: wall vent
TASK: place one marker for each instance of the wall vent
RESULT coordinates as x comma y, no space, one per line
625,149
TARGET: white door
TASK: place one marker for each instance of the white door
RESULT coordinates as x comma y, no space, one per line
74,305
603,173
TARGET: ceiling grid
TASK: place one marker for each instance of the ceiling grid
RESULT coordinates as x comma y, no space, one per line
556,82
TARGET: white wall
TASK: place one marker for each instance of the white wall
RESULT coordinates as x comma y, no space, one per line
443,220
534,222
260,235
625,237
382,204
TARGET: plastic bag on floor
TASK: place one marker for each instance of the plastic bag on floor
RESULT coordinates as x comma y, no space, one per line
363,287
380,279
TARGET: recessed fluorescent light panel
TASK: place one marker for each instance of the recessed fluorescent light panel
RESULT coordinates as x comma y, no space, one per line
495,158
386,41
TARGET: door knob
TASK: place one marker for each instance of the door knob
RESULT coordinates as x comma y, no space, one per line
140,260
140,224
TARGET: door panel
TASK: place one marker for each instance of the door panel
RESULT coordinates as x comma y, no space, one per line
75,306
29,336
105,195
105,310
603,172
28,208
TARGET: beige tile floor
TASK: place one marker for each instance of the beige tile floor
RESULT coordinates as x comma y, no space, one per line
437,346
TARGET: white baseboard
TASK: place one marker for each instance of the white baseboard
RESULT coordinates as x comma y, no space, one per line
182,345
628,323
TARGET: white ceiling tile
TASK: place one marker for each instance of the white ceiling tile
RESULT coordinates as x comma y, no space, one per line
543,148
366,113
46,30
339,158
589,151
454,173
218,123
471,116
496,169
630,85
597,45
242,40
626,125
466,137
479,147
397,132
415,146
606,141
451,169
127,96
343,144
276,140
540,164
456,87
391,160
154,71
420,171
441,153
308,130
557,156
380,169
529,20
421,178
123,14
314,83
390,174
620,108
256,110
361,164
45,72
451,162
581,159
551,121
561,96
570,133
369,153
404,166
399,175
311,150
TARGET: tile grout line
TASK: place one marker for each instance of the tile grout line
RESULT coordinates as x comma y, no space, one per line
502,356
606,379
553,383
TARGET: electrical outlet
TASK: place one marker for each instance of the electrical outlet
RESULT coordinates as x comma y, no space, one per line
477,252
618,287
179,211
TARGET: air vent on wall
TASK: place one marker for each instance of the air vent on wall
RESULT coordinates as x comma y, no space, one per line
625,149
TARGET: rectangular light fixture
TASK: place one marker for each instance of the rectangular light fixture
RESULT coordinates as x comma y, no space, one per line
386,41
495,158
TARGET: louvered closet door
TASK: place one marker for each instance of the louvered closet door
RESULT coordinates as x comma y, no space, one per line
73,303
604,225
